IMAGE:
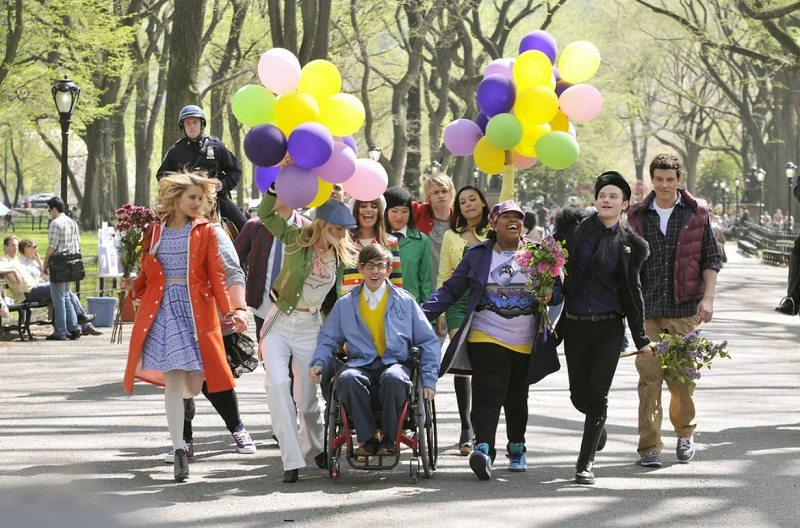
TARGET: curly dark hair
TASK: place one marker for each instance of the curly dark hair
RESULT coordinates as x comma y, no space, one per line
668,162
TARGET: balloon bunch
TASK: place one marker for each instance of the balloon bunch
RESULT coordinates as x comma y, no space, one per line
526,104
301,135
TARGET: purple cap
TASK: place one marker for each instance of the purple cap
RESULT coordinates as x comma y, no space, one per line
503,207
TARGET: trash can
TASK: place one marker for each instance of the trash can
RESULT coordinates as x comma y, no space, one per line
103,308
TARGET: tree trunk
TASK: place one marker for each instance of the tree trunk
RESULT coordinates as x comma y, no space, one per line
120,159
236,140
184,63
412,172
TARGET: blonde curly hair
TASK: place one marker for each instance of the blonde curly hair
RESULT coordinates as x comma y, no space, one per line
172,186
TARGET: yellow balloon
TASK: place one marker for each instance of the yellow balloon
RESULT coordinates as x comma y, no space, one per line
323,193
537,105
552,83
343,114
559,123
579,61
320,79
488,159
294,108
532,68
530,135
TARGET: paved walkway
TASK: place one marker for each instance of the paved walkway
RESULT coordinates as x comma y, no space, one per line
72,442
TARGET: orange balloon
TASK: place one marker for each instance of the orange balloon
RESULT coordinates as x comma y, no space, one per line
560,122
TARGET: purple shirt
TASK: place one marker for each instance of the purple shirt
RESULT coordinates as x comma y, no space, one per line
589,297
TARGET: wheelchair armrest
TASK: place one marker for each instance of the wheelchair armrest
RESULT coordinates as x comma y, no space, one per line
415,354
340,355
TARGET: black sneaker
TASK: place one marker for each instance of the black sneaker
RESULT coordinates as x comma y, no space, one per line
685,450
387,447
74,336
787,306
53,337
181,465
368,448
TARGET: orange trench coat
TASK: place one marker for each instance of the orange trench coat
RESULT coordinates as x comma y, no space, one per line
206,278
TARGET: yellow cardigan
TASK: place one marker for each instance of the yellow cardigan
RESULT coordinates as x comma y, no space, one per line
452,243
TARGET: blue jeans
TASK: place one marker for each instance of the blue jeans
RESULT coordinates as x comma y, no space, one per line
394,384
40,292
64,319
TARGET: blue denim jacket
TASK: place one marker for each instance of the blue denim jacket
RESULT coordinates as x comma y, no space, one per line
405,326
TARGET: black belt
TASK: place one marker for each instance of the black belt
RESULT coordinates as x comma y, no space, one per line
593,318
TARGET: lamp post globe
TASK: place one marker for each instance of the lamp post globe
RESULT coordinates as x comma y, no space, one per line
65,95
436,167
760,175
375,153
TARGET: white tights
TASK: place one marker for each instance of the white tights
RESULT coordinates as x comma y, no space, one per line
179,384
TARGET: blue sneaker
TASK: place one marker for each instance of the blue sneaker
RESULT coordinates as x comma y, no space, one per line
516,454
480,462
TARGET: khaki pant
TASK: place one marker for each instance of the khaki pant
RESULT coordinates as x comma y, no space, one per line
651,378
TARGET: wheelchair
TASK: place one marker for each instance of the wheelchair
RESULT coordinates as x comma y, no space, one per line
416,429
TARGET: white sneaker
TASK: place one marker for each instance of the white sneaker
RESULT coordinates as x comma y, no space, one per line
243,440
169,458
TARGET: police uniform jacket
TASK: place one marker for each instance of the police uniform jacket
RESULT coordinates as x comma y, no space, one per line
208,154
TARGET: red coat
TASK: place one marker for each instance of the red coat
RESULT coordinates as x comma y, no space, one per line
206,290
423,217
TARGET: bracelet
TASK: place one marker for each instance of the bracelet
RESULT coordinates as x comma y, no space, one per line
240,309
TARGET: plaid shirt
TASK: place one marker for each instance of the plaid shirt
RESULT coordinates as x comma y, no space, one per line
657,272
63,235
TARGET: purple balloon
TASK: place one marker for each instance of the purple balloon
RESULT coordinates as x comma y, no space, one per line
349,141
542,41
561,86
482,120
310,145
556,73
461,136
340,167
265,145
265,176
296,186
496,95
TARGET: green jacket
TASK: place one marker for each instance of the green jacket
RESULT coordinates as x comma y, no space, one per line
297,261
415,254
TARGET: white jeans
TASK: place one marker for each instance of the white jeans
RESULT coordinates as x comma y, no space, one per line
294,336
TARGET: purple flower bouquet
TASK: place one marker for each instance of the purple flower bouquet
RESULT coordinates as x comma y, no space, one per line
687,355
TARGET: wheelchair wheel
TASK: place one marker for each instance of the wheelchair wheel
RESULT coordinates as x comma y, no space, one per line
334,429
425,431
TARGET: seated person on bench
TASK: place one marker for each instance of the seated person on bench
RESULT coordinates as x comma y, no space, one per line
379,323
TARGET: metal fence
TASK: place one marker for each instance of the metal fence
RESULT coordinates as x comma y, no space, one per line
773,239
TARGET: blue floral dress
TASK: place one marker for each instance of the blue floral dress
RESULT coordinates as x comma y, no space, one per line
171,344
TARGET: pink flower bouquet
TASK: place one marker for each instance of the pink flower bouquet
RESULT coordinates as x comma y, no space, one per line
541,262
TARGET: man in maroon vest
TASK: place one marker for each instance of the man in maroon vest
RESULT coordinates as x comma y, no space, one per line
678,281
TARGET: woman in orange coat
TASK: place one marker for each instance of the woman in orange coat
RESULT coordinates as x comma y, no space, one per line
176,340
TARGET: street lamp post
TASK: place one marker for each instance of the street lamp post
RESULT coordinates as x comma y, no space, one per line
715,185
791,169
476,174
737,182
436,167
760,175
727,201
65,95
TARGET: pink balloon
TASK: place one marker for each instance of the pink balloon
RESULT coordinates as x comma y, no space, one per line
523,162
572,132
504,67
461,136
296,186
279,71
581,102
341,165
368,182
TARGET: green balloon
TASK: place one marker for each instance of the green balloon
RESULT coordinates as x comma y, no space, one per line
253,104
557,150
504,131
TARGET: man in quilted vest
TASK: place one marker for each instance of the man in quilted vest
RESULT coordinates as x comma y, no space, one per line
678,281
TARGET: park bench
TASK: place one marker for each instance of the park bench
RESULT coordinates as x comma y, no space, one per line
751,242
25,319
778,256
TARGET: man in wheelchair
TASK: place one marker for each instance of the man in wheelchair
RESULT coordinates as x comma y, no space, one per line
378,323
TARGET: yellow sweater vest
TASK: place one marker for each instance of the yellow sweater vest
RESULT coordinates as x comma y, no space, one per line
374,319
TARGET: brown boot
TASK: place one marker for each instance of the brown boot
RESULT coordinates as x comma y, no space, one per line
91,330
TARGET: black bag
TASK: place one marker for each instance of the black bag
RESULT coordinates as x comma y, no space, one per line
66,267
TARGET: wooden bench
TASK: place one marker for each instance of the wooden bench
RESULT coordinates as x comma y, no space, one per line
24,319
746,247
780,255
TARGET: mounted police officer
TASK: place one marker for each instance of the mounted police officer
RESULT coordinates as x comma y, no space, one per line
197,151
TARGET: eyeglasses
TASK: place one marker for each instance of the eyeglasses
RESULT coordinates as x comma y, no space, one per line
381,266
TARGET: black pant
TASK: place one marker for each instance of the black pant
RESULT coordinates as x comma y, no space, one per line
592,351
498,380
229,210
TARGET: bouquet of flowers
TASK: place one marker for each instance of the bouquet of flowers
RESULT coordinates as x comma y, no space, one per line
688,354
132,221
541,262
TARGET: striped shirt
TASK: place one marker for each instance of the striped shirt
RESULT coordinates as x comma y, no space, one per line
353,278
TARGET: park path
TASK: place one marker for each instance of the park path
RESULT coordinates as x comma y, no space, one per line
73,445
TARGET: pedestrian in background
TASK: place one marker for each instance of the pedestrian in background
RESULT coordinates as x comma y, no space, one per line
63,239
